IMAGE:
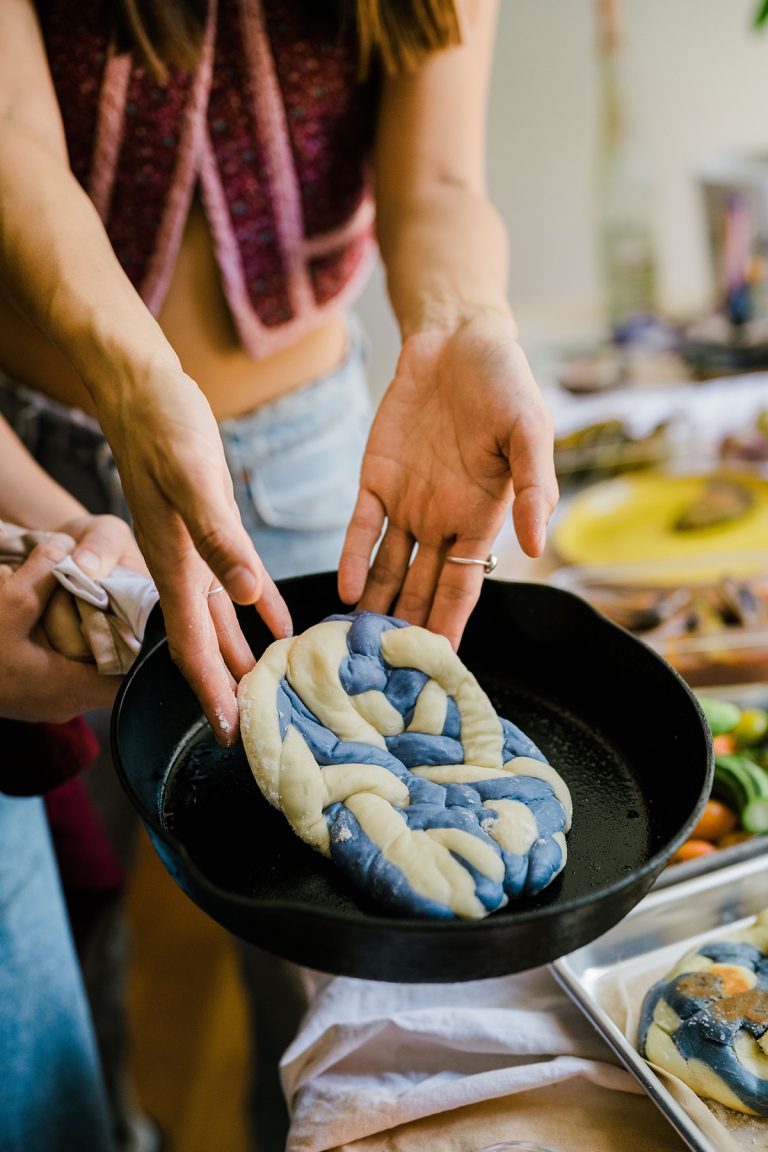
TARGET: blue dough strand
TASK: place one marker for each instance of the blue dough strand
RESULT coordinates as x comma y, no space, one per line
708,1036
463,807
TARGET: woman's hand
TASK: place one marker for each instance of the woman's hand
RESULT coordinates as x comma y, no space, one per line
174,474
36,682
461,434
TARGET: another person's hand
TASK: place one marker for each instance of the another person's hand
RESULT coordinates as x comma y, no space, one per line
461,434
174,474
36,682
101,544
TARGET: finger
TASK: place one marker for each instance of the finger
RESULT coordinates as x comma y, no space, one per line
183,582
194,648
221,540
272,607
388,571
193,642
531,513
61,624
33,583
535,484
213,521
364,530
418,591
102,545
458,590
233,646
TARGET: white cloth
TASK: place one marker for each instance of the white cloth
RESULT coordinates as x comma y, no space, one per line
703,412
370,1055
113,610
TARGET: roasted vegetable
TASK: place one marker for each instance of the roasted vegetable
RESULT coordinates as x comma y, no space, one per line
721,715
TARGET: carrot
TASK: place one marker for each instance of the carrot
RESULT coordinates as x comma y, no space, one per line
738,836
716,821
724,744
692,850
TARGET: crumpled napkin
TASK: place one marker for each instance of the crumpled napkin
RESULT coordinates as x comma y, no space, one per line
113,609
372,1057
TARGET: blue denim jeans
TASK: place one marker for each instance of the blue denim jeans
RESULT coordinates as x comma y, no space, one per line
51,1093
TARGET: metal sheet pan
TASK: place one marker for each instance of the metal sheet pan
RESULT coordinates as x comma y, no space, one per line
658,930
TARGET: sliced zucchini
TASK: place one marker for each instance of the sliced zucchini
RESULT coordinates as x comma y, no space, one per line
721,715
739,781
755,816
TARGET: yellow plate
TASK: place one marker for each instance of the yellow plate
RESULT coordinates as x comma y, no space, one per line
631,519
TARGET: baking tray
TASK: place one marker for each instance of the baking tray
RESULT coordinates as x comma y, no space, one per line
663,926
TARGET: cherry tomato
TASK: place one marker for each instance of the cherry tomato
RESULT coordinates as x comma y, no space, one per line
692,850
738,836
716,821
724,744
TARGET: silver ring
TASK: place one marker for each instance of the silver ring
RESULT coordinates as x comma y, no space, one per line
487,565
216,588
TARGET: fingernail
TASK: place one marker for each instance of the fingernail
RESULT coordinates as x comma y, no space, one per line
242,585
88,561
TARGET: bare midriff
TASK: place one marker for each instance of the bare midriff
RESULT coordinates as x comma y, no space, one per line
197,322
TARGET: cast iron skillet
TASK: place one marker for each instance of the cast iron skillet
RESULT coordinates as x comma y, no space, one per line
619,724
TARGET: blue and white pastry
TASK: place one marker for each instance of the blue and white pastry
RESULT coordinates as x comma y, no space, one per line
384,753
707,1021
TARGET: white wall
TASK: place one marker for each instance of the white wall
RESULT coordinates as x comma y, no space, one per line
698,77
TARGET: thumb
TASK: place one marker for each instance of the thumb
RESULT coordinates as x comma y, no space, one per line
35,581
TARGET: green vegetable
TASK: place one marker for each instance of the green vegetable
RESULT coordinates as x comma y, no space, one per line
761,15
752,726
755,816
721,715
739,781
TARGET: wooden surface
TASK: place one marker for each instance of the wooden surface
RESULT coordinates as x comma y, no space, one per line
188,1015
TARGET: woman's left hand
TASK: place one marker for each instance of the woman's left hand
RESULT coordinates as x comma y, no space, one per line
461,434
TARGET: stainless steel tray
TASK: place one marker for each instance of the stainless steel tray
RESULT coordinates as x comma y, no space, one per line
656,932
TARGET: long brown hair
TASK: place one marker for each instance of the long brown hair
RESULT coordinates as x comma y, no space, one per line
397,33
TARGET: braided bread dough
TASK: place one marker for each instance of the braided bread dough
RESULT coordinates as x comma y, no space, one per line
707,1021
384,753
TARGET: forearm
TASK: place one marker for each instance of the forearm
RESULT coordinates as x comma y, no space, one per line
28,495
444,248
58,270
443,244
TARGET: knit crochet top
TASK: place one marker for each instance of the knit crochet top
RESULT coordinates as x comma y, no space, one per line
272,126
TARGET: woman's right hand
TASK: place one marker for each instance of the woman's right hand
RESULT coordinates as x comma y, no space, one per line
60,272
36,682
171,462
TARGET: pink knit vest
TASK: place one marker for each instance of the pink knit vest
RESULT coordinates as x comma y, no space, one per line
274,127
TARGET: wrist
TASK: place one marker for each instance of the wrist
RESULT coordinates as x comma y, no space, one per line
116,361
445,314
445,255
